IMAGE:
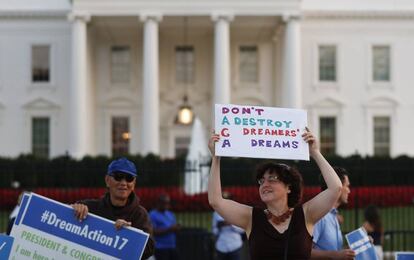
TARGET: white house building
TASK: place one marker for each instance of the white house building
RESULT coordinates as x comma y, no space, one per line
89,77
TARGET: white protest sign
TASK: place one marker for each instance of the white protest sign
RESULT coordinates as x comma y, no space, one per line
261,132
47,229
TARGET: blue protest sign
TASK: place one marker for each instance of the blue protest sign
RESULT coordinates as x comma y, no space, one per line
47,228
358,241
23,204
404,255
6,243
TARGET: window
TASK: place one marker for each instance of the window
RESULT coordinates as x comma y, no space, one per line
40,63
327,126
382,136
248,64
327,63
184,64
181,146
381,63
120,136
120,64
40,136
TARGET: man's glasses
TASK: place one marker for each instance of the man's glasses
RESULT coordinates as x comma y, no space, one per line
118,176
271,179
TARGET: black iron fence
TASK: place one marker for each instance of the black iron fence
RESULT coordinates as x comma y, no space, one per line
386,182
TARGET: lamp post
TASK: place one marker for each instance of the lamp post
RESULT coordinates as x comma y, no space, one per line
185,113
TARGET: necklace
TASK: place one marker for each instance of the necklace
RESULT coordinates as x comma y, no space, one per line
278,219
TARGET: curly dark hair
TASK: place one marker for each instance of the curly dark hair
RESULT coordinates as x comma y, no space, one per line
288,175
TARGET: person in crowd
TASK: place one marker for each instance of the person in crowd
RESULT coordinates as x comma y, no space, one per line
283,230
373,226
165,227
119,203
229,240
327,235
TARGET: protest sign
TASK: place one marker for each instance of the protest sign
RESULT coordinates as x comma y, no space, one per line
261,132
358,241
47,229
6,243
404,255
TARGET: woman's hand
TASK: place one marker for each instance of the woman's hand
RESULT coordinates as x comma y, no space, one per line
212,143
312,141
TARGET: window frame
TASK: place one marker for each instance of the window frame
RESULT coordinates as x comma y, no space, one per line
377,107
32,143
193,76
327,85
335,63
373,135
335,142
239,72
42,107
111,135
373,64
328,107
2,67
111,67
174,132
382,85
52,65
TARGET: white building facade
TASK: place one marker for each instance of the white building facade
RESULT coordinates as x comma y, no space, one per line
91,77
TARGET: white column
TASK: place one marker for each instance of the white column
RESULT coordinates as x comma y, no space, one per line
150,126
292,75
79,111
222,85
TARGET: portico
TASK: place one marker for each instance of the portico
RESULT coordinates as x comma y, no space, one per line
151,96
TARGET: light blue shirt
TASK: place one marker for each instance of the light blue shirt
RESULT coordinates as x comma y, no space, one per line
228,237
327,234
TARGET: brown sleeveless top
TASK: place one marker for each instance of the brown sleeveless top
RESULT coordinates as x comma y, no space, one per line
266,243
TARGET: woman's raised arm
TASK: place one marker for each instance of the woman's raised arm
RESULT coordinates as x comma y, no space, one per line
317,207
233,212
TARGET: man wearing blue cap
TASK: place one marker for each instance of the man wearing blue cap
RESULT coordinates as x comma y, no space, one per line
120,202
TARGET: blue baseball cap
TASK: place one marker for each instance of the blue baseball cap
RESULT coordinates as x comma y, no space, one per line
122,165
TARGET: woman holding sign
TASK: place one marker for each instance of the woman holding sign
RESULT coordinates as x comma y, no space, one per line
283,230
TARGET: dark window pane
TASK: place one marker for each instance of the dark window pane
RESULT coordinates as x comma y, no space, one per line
40,136
381,63
328,135
121,63
248,64
184,64
41,63
120,136
181,146
382,136
327,63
